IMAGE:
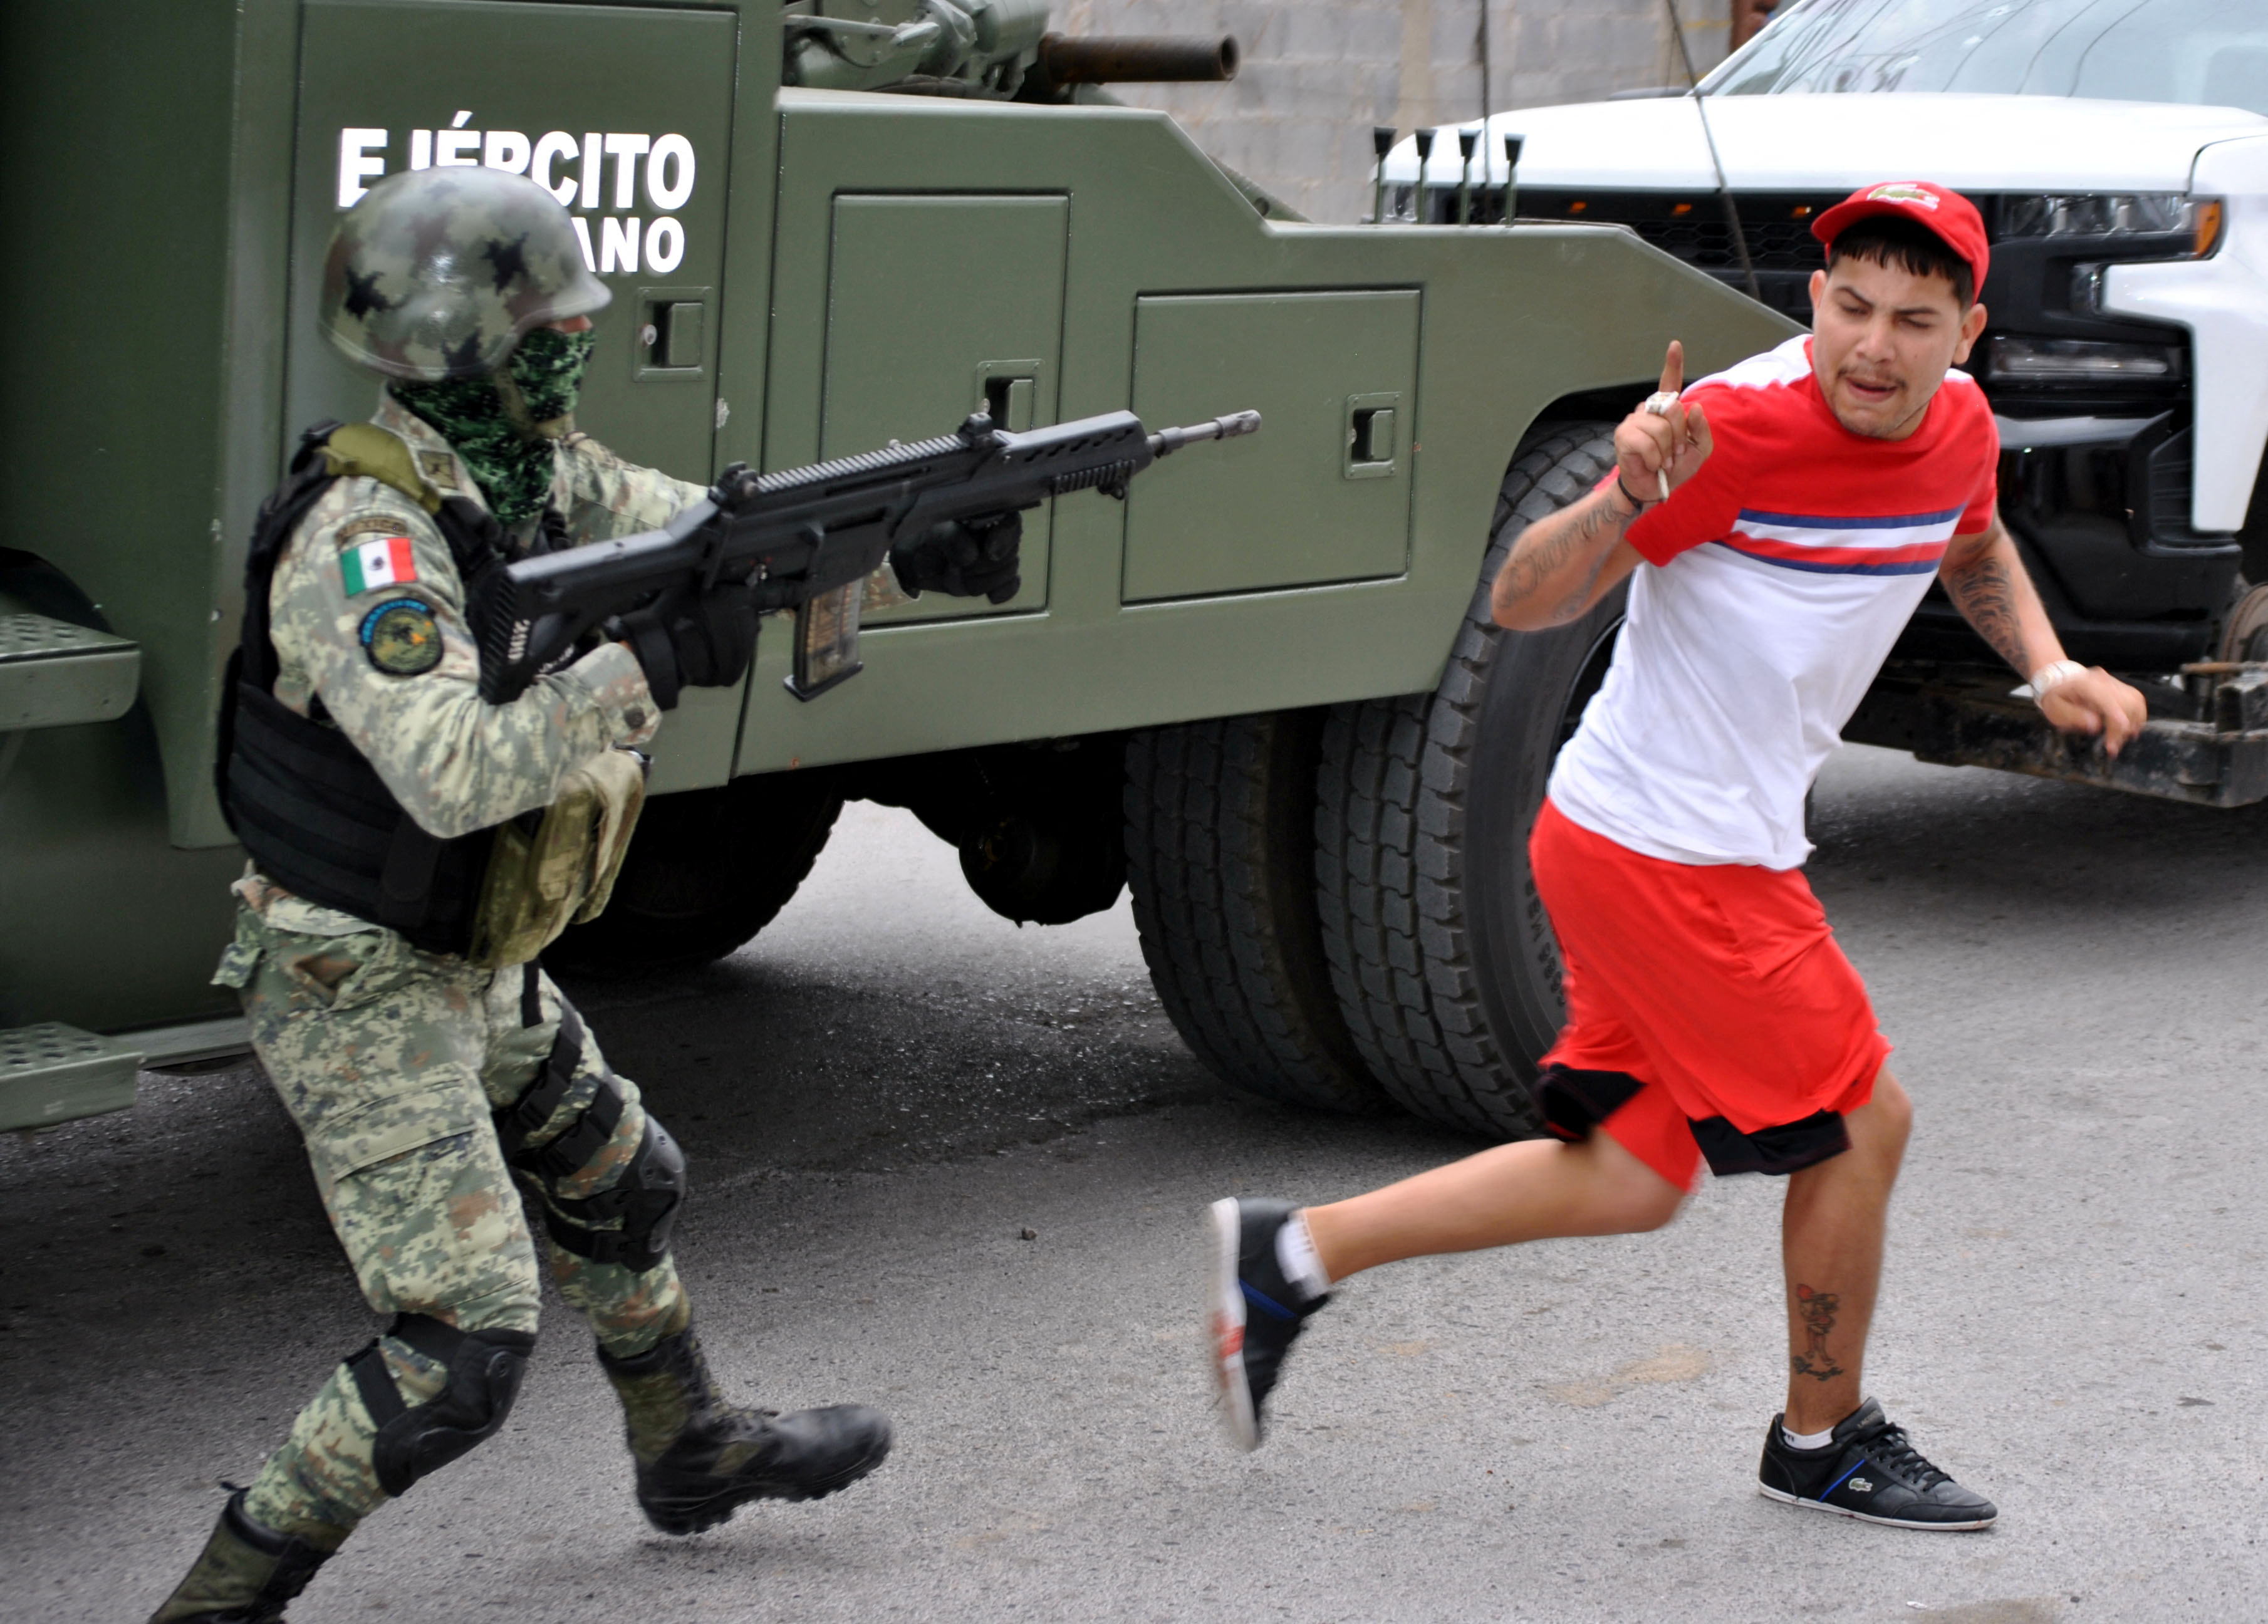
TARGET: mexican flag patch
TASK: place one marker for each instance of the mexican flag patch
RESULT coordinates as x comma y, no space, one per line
385,562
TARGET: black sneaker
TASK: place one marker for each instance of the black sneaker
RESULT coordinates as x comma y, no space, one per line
1869,1470
1254,1311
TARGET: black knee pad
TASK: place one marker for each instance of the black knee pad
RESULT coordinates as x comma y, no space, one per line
645,1198
485,1368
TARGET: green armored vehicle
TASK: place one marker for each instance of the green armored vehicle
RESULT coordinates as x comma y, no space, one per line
1261,691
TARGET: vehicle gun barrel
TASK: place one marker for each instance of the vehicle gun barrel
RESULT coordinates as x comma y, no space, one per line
1138,60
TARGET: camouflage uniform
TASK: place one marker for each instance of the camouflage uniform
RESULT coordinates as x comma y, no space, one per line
395,1059
391,1059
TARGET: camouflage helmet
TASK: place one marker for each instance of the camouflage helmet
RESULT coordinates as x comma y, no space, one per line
437,273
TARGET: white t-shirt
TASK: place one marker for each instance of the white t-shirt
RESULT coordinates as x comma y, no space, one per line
1775,581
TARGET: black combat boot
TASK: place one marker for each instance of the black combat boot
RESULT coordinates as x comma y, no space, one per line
700,1459
246,1574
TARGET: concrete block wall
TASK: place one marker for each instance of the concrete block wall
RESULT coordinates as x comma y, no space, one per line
1318,74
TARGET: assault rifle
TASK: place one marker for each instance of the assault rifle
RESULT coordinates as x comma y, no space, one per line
806,538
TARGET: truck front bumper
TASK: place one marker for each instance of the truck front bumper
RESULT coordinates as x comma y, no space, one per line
2206,742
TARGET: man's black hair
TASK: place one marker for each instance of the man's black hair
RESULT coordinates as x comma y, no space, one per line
1887,240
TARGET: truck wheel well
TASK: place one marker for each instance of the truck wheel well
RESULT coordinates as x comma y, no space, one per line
1038,824
1609,404
43,589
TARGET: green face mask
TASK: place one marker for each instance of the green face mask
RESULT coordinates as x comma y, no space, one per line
496,423
548,366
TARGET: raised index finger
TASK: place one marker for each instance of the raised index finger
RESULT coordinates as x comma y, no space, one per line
1673,368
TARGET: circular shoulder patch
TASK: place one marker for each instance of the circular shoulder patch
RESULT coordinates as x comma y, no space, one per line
400,638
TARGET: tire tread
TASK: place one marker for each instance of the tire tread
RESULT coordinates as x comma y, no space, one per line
1391,840
1219,875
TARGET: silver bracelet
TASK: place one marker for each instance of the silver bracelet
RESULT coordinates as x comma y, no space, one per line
2052,675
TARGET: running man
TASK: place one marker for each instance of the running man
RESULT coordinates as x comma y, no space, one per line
1788,514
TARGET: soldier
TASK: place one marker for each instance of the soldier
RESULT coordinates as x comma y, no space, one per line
413,848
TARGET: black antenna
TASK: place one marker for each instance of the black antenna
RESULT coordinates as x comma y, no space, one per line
1381,142
1424,140
1723,190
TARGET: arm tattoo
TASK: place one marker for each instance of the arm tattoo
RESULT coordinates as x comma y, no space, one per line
1816,1310
1548,547
1984,592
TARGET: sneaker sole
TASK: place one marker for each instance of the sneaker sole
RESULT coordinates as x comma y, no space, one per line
1225,1327
1785,1498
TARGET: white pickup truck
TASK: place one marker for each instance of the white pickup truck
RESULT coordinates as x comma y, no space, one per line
2118,149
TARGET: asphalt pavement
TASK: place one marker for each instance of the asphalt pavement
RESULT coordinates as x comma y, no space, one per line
957,1170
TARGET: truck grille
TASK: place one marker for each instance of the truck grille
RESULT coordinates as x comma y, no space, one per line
1706,242
1688,226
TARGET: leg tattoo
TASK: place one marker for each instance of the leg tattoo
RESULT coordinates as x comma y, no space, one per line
1817,1309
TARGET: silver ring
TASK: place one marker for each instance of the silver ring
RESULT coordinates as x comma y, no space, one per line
1662,403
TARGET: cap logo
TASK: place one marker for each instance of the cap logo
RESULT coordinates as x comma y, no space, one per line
1903,192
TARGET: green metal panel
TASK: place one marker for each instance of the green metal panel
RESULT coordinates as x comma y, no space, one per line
1304,360
107,924
980,280
123,127
1512,321
406,71
116,123
393,82
246,402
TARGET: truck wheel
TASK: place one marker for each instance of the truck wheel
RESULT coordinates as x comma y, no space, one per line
2244,634
706,871
1443,959
1220,857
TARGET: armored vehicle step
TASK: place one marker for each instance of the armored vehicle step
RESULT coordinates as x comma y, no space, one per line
54,673
51,1073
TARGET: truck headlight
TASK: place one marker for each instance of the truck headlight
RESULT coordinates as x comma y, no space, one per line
2080,360
2116,214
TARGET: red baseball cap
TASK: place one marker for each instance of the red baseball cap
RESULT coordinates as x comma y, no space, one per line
1949,216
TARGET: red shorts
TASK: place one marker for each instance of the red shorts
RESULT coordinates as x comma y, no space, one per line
1709,1010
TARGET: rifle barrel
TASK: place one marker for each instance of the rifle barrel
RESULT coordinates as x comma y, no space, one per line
1167,441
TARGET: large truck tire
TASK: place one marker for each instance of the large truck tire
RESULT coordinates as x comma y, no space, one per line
1447,972
1220,858
707,869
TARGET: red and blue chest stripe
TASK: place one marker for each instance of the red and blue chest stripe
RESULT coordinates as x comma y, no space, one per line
1890,544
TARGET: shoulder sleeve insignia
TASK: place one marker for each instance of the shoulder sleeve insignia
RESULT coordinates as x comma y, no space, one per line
400,638
384,561
439,469
369,524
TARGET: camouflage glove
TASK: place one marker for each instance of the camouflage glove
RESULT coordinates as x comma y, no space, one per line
691,640
965,558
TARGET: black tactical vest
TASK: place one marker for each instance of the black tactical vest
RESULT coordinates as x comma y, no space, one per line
311,810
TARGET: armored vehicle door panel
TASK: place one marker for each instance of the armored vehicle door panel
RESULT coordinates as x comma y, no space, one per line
1366,600
627,113
1335,377
981,281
